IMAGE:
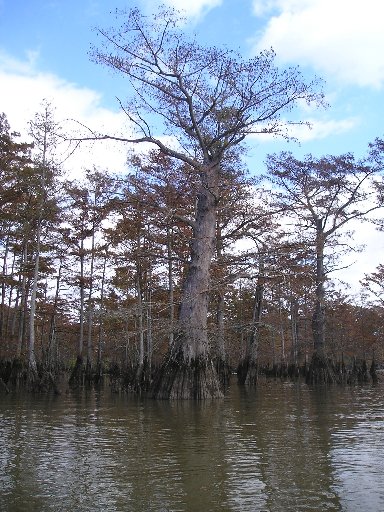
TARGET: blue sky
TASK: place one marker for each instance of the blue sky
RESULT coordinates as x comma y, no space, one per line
44,47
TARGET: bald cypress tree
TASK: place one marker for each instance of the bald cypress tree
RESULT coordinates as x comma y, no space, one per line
322,195
207,100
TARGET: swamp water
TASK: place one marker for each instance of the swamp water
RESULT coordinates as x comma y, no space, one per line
282,447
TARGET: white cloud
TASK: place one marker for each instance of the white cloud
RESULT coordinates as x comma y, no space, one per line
341,38
194,8
77,109
23,89
317,129
190,8
266,7
322,129
357,264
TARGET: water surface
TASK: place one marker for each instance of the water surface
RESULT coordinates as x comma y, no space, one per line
282,447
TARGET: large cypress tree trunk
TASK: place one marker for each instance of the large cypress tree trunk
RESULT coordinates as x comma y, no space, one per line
188,371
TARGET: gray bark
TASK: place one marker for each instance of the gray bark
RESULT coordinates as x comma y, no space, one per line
82,293
23,301
90,304
170,287
192,326
31,347
318,319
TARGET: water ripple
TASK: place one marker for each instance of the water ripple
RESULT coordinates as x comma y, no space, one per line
281,448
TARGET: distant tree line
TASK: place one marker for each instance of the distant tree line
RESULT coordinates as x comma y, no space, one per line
92,269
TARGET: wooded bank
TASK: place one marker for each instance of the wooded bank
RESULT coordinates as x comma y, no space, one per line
188,267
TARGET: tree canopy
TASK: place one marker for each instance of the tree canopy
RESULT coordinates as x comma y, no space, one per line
209,99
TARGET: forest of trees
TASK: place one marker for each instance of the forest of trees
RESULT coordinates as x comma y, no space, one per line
187,268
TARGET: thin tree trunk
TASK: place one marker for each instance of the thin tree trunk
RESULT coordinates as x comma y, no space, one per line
10,325
51,351
294,330
32,315
282,335
318,319
77,374
90,305
23,301
220,300
3,290
82,297
220,325
222,366
149,321
101,318
170,287
140,361
248,373
32,335
253,347
321,369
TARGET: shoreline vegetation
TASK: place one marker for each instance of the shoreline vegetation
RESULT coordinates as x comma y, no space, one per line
16,376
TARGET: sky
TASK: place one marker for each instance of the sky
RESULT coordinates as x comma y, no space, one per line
44,55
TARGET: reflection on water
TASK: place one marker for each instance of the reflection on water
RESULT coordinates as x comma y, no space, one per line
282,447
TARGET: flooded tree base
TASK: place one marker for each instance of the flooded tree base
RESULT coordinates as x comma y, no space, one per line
321,370
17,374
86,374
77,376
200,379
373,372
48,382
358,373
223,370
178,379
247,372
137,378
3,386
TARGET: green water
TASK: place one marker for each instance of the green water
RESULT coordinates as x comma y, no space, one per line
282,447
